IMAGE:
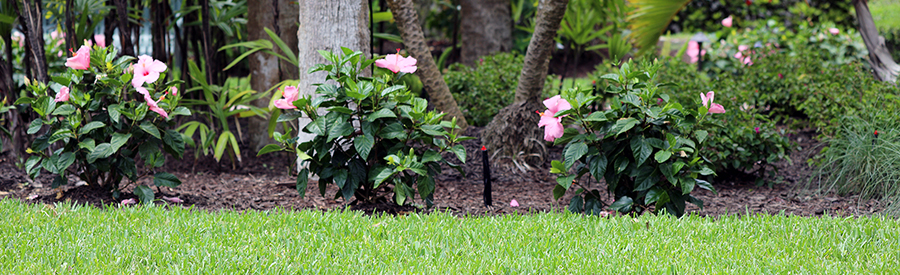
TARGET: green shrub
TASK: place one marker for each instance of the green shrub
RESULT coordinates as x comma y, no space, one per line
648,151
99,122
748,140
706,15
376,137
482,91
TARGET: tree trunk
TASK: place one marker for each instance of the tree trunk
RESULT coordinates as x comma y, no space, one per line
159,12
879,57
514,130
439,94
267,70
124,30
6,68
486,28
328,25
30,14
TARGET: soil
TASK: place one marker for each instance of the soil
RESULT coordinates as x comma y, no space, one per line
265,182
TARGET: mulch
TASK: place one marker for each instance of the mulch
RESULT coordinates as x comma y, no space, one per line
263,183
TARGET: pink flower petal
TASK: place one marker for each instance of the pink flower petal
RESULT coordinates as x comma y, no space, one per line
128,201
397,63
291,94
101,40
62,95
727,22
514,203
172,199
81,60
717,109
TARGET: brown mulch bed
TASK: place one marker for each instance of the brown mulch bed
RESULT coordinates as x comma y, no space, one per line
263,183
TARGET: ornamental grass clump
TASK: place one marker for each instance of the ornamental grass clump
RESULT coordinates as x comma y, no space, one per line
99,116
863,159
376,138
649,152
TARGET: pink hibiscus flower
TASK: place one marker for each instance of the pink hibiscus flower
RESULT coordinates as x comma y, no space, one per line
708,102
397,63
291,94
62,95
694,51
81,60
147,70
553,127
154,106
101,40
727,22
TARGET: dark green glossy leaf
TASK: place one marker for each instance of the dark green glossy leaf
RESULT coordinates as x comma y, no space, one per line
58,181
289,116
558,192
302,181
103,150
381,113
574,152
144,193
623,125
623,204
597,166
35,126
705,185
166,179
576,205
149,128
87,128
460,152
641,149
64,110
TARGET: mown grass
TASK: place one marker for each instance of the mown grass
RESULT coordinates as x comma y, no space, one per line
70,239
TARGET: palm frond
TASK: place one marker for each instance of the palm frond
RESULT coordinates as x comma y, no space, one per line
649,19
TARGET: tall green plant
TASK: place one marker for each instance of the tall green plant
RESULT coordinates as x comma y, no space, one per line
863,159
217,105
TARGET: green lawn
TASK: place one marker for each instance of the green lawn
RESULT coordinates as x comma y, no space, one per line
68,239
885,13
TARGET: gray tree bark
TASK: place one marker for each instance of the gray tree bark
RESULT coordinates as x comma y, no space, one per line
882,63
514,130
268,70
328,25
485,28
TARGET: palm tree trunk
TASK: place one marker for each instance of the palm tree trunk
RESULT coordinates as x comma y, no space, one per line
882,63
514,130
30,14
408,22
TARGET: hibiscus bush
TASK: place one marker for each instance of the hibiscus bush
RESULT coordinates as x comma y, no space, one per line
646,147
99,117
750,142
376,138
